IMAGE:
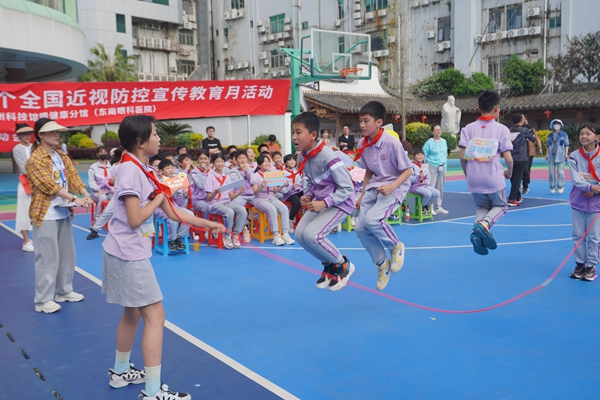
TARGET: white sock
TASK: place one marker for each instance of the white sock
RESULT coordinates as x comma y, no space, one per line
152,380
121,362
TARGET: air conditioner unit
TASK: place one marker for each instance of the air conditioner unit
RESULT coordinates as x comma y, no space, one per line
266,71
358,22
172,78
142,41
167,44
173,69
446,45
385,53
287,21
260,23
271,38
187,25
279,35
194,25
191,17
225,46
263,39
184,18
369,15
287,28
424,3
156,78
501,35
480,39
430,34
382,13
148,77
238,65
490,37
150,42
338,23
143,25
377,53
286,62
281,43
234,13
134,42
513,33
164,78
262,29
140,76
262,55
226,15
534,30
230,67
357,15
184,76
158,43
438,47
245,64
240,14
282,73
391,39
286,35
414,3
534,12
266,62
356,7
274,74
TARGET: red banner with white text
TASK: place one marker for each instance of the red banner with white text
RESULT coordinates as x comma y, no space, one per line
73,104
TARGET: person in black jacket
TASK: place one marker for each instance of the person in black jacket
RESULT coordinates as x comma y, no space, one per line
520,153
346,139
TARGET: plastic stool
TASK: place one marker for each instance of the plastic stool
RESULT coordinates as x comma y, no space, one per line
93,212
298,216
418,207
347,224
218,241
199,231
261,230
161,239
397,213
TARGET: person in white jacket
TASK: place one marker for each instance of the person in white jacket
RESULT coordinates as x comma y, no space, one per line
21,153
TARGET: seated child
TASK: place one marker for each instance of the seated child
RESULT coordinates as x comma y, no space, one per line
263,148
186,163
230,163
293,191
419,182
177,230
98,175
197,179
221,203
250,158
266,202
242,171
277,161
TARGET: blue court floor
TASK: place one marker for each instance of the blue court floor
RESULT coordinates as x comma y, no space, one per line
249,323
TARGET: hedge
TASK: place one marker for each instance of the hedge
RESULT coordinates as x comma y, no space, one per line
82,154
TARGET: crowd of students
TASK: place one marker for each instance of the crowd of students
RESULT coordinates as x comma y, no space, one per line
317,179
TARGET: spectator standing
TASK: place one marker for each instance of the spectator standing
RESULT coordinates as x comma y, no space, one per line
436,154
346,140
520,136
211,144
272,144
557,153
527,171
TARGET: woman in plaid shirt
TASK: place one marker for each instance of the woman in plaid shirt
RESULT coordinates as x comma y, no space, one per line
53,180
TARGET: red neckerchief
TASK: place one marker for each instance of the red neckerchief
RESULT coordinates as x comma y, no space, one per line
263,176
308,156
367,143
202,170
105,170
417,164
160,188
221,182
292,174
591,168
486,118
279,168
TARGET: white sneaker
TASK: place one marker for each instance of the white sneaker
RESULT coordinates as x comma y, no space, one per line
236,242
440,210
397,257
28,247
383,275
287,239
433,212
72,297
131,375
291,228
227,242
165,394
353,221
278,241
48,307
561,190
553,190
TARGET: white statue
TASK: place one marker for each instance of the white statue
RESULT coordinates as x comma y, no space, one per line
451,117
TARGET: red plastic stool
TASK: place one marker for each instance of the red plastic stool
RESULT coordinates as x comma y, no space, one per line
219,239
199,231
93,212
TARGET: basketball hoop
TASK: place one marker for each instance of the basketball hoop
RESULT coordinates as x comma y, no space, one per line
350,74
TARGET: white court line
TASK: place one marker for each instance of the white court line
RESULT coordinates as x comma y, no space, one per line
200,344
87,230
511,226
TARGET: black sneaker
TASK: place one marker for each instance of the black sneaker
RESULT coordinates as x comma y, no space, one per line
325,278
173,246
426,210
589,274
578,271
341,275
93,235
179,243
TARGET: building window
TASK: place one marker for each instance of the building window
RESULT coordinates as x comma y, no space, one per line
341,45
514,16
305,25
121,23
226,32
444,66
277,23
186,36
340,9
163,2
277,59
185,67
443,33
496,20
373,5
554,22
124,53
377,41
497,64
237,4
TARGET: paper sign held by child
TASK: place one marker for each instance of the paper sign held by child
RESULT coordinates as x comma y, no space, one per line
358,174
275,178
177,182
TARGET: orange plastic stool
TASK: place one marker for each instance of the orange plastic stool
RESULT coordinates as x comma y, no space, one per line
261,230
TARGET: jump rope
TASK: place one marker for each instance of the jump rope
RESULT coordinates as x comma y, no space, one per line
162,188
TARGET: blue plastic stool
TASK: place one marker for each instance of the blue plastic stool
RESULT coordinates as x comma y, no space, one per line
162,238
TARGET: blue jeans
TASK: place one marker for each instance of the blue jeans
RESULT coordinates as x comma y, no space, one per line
560,167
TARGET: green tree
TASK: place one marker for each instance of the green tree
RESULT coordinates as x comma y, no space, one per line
107,68
452,81
523,77
169,132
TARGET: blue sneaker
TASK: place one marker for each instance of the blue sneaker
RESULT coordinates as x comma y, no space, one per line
478,245
481,229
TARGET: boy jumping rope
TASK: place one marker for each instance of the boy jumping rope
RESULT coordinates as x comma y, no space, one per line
481,143
384,189
329,200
